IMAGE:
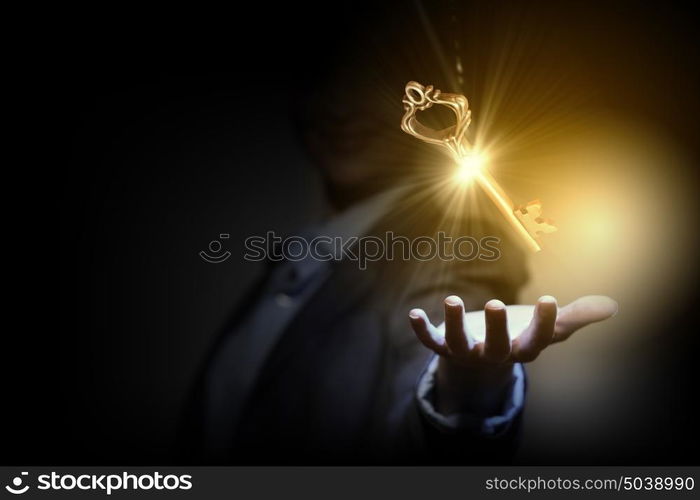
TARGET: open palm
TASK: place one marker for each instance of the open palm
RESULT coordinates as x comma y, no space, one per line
503,333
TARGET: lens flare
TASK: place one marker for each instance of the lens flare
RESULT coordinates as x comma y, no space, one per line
469,167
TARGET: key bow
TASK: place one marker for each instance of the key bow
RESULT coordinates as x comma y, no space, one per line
419,98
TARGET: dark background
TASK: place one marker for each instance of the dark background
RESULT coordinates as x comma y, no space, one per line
155,131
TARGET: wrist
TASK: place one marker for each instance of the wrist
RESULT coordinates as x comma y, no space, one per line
473,389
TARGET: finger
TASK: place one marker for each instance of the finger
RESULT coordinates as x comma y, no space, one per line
540,331
426,332
582,312
455,336
497,342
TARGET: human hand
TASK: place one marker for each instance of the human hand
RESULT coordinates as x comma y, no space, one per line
501,333
477,349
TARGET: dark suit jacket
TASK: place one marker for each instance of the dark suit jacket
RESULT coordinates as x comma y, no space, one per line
339,387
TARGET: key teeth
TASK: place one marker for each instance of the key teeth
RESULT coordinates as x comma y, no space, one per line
530,215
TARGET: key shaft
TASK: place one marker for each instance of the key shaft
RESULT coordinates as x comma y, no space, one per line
498,196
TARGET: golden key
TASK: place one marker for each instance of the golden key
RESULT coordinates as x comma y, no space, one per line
526,219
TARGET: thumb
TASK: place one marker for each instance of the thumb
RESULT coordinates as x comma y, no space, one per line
581,312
